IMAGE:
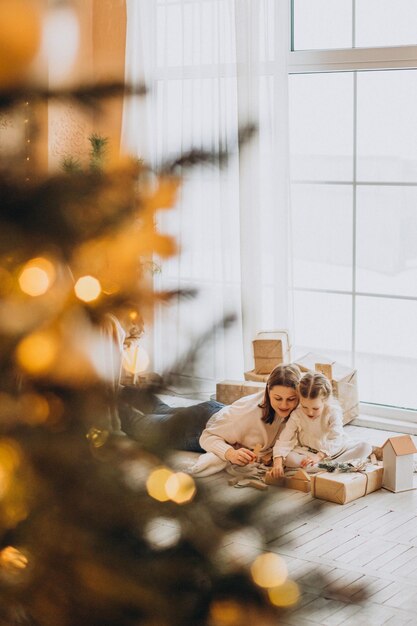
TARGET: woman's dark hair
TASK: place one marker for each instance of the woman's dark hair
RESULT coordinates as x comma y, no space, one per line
284,376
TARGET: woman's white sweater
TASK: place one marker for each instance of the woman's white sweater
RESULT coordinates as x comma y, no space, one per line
240,423
324,433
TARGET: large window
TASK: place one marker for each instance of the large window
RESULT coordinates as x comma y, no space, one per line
353,136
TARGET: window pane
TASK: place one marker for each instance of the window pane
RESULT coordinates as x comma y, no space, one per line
387,240
321,24
386,343
322,236
323,323
387,126
386,23
321,126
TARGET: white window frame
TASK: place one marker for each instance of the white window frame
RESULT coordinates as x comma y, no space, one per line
354,60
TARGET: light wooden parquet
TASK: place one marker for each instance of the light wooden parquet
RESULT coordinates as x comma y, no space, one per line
356,564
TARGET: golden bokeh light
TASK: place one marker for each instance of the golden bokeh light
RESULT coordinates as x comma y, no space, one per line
269,570
87,288
180,488
97,437
285,595
12,560
36,353
10,454
36,277
34,281
34,409
227,613
156,483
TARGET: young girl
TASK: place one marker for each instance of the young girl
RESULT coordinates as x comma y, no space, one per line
314,431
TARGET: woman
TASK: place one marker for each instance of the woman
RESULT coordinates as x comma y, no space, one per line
252,423
225,433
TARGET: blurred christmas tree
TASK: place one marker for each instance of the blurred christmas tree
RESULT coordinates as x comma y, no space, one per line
95,528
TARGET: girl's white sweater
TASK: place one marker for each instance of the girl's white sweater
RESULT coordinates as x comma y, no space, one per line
324,433
240,423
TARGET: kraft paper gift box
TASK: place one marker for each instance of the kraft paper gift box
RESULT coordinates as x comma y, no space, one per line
270,348
343,487
228,391
344,381
258,378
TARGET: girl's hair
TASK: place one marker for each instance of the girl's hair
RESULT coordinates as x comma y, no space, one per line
315,385
284,376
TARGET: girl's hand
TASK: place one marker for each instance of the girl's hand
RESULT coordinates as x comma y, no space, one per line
278,470
242,456
308,460
312,459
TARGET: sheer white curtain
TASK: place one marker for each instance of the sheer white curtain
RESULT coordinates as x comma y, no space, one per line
212,66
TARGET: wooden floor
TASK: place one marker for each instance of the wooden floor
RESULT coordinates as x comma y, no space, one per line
356,564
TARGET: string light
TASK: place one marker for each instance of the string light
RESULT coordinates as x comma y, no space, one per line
180,488
37,276
87,288
156,483
269,570
27,154
36,352
285,595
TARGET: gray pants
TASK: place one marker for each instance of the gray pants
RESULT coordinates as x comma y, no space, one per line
351,450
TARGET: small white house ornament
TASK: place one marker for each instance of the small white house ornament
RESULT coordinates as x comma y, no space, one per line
398,455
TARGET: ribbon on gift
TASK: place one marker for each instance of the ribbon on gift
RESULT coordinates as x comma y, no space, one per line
338,487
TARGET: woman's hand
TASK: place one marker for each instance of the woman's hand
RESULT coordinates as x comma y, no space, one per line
241,456
278,470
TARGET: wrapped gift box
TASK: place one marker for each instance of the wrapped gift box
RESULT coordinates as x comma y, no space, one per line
343,378
270,348
343,487
258,378
228,391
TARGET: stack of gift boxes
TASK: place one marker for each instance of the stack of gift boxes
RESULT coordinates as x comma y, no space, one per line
269,350
273,348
